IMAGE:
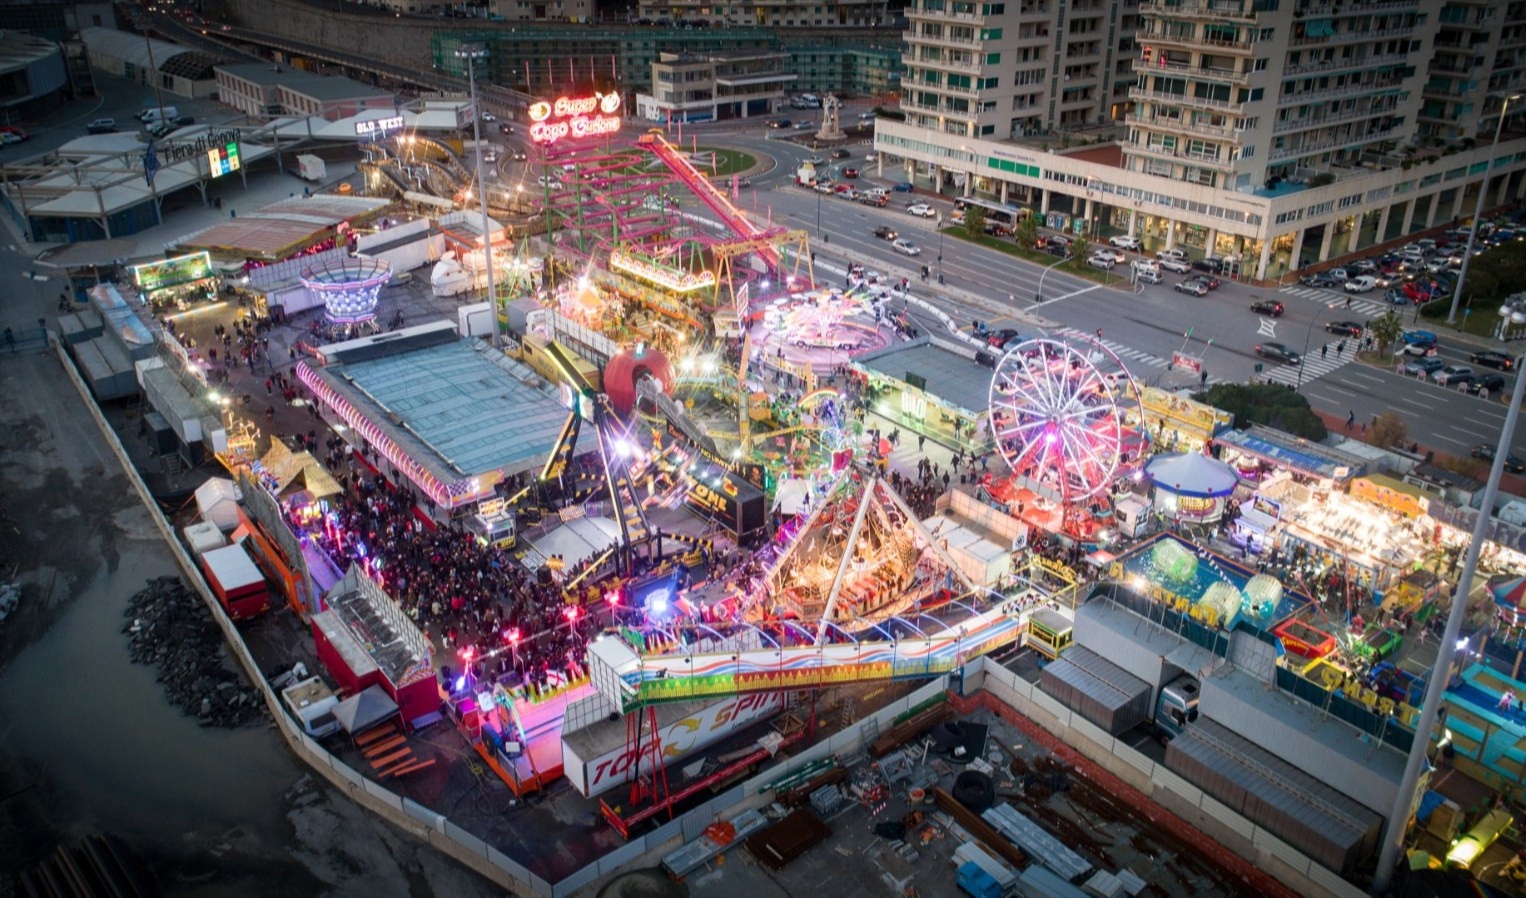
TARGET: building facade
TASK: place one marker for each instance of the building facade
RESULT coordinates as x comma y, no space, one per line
830,68
170,68
1017,68
32,74
574,11
263,90
767,13
1480,52
702,87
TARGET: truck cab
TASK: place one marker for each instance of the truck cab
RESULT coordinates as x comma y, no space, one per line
1177,705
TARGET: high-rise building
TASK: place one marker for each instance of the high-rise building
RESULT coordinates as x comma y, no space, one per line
1016,68
1242,93
1270,133
768,13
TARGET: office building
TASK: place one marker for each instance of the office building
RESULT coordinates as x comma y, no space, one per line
722,84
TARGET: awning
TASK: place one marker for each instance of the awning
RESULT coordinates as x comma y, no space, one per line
89,252
359,713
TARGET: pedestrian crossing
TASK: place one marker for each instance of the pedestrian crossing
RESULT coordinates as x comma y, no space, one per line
1337,301
1132,358
1320,361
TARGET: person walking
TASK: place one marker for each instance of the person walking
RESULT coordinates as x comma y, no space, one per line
1324,350
1350,419
1340,348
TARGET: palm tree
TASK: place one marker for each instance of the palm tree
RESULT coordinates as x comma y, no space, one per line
1386,331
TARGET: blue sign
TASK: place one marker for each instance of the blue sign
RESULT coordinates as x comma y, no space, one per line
150,165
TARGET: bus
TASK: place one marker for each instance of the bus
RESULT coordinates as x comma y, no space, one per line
1001,220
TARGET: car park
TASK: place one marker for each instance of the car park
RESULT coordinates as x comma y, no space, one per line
1486,385
1267,307
905,247
1344,328
885,233
1492,358
102,126
1485,452
1123,241
1278,352
1450,374
1192,288
922,209
1424,366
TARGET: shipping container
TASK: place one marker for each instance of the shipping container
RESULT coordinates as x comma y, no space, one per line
1328,826
1097,689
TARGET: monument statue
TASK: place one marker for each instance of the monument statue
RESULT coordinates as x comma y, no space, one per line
831,119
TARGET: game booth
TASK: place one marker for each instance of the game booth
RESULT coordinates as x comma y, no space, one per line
174,284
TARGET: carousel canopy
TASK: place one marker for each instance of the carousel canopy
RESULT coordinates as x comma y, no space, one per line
1192,474
1509,591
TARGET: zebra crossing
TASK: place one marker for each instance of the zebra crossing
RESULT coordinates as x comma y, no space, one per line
1320,361
1337,301
1132,358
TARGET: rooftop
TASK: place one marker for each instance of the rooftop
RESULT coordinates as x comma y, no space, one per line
266,73
283,227
171,59
952,377
455,407
19,49
333,88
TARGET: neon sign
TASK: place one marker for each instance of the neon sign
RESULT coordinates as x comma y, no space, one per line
661,275
574,117
379,126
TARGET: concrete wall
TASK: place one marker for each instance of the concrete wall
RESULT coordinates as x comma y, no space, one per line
404,42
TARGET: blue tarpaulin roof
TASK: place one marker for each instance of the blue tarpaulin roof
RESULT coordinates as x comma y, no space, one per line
1286,449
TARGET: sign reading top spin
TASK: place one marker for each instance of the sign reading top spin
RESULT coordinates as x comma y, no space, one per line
574,117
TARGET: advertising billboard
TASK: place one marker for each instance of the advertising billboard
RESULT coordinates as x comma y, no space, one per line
574,118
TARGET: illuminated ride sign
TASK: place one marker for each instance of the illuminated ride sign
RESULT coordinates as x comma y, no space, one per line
661,275
574,117
378,127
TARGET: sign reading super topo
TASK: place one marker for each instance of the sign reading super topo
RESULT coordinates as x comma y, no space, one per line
574,117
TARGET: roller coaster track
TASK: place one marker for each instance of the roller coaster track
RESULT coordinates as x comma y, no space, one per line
701,187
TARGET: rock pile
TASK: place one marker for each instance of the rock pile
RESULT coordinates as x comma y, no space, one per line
169,627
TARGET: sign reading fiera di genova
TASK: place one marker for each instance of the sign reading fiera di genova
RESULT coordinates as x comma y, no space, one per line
190,149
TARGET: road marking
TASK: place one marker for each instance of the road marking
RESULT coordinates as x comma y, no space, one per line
1439,436
1413,401
1325,398
1039,305
1267,328
1466,430
1339,390
1372,377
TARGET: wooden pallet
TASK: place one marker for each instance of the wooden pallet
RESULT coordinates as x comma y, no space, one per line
374,735
384,746
415,765
383,761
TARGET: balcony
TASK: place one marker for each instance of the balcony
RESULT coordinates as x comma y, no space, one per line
1325,146
1218,132
1346,37
1179,155
1196,43
1308,122
1337,65
1329,7
1184,100
942,41
950,89
1077,101
1198,9
1216,74
971,65
1348,91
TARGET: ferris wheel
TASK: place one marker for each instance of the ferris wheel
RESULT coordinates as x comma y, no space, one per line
1058,409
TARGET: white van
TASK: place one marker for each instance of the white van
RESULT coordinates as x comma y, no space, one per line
811,101
155,115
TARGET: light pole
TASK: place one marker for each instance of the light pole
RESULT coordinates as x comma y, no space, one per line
471,53
1436,683
938,226
1308,335
1478,208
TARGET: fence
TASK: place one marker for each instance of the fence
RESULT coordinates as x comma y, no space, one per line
16,341
1219,821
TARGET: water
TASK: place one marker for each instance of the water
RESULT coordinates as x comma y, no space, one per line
1211,569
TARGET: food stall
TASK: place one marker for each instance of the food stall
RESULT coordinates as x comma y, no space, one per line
173,284
1257,452
1255,527
1392,494
1371,545
1176,423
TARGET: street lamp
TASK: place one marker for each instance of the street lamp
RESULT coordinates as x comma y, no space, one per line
1436,683
939,227
1478,208
1303,359
472,52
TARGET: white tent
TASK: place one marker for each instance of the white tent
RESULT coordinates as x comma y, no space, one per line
217,502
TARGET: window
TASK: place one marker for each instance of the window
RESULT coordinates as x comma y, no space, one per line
1261,65
993,59
989,82
993,9
990,34
987,130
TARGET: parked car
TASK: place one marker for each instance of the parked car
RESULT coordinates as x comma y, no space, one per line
1363,266
1267,307
902,187
1178,254
1450,374
102,126
922,209
1318,279
905,247
1105,252
1124,241
1423,367
1486,385
850,172
1207,280
1171,263
1148,275
1192,287
1209,265
1105,263
1486,452
1418,342
1344,328
1492,358
1057,249
1278,352
885,233
1361,284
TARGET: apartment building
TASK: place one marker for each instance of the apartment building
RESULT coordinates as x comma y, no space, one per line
722,84
1246,94
544,10
768,13
1017,68
1480,56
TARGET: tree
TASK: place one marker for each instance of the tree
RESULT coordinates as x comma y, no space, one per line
1079,250
974,221
1271,404
1028,232
1386,331
1387,430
